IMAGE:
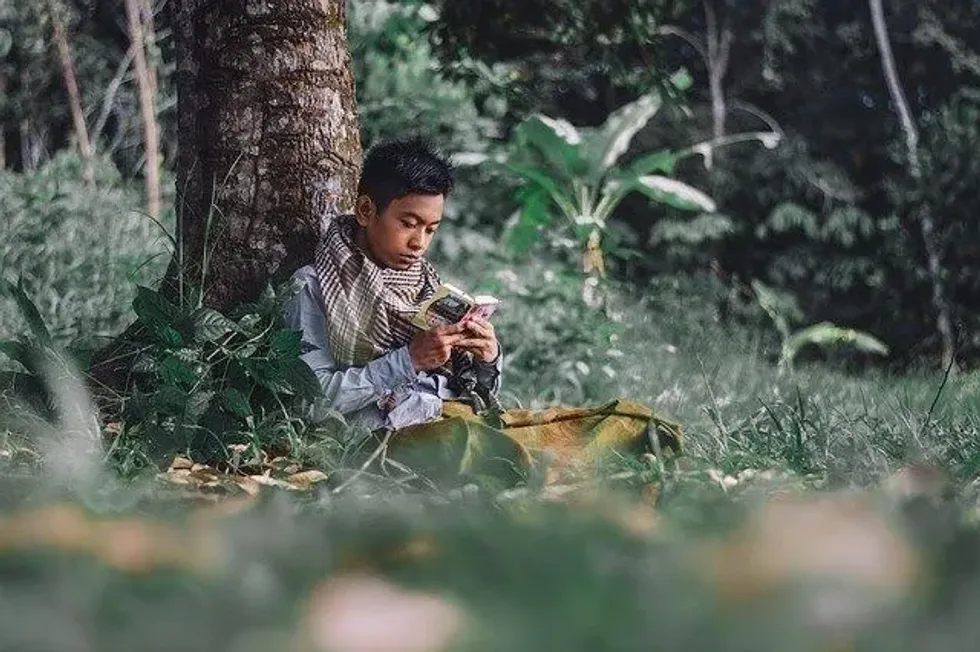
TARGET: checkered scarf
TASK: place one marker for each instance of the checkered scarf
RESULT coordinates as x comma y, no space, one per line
367,307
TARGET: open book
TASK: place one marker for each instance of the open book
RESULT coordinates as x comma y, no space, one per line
448,305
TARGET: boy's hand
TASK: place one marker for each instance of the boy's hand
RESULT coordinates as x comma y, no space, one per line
431,349
479,339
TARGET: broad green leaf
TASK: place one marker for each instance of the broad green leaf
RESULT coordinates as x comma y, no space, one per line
607,144
781,307
532,215
210,325
236,402
660,161
557,141
173,371
287,344
170,400
675,193
826,334
29,310
533,176
198,404
300,378
160,316
249,321
268,373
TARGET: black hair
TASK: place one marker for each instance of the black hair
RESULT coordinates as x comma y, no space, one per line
404,167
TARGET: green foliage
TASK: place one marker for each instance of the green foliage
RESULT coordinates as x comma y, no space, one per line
558,348
204,380
783,311
553,55
400,88
37,361
78,249
572,179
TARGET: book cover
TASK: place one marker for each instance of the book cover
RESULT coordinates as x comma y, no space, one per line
449,305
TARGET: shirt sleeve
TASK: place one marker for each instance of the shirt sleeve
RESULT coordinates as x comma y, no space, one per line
353,388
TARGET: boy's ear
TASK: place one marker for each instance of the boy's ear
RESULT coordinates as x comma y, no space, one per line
364,210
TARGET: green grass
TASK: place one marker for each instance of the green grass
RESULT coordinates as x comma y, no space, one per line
599,570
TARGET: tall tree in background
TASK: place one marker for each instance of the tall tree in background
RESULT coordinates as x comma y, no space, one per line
267,124
941,305
147,14
71,86
136,19
719,40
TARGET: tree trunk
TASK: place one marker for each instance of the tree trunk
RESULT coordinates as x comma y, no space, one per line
267,119
150,40
719,41
71,86
268,133
24,132
944,321
151,132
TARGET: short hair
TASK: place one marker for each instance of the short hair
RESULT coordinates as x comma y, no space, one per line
398,168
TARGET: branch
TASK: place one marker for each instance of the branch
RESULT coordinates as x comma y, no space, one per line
895,88
110,94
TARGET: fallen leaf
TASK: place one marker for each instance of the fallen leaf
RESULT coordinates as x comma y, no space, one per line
307,479
249,486
268,481
181,462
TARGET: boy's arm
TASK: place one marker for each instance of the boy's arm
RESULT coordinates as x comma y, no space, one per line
351,389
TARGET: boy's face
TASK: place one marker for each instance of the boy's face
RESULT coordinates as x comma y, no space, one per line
402,232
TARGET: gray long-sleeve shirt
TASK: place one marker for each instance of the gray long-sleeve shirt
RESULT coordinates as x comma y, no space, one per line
357,392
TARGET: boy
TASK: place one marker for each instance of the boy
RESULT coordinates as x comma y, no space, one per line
368,278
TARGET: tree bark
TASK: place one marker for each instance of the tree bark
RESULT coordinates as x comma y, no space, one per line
267,119
944,321
145,85
71,86
268,134
150,40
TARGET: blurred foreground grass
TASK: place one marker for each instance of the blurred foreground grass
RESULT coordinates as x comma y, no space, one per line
315,573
